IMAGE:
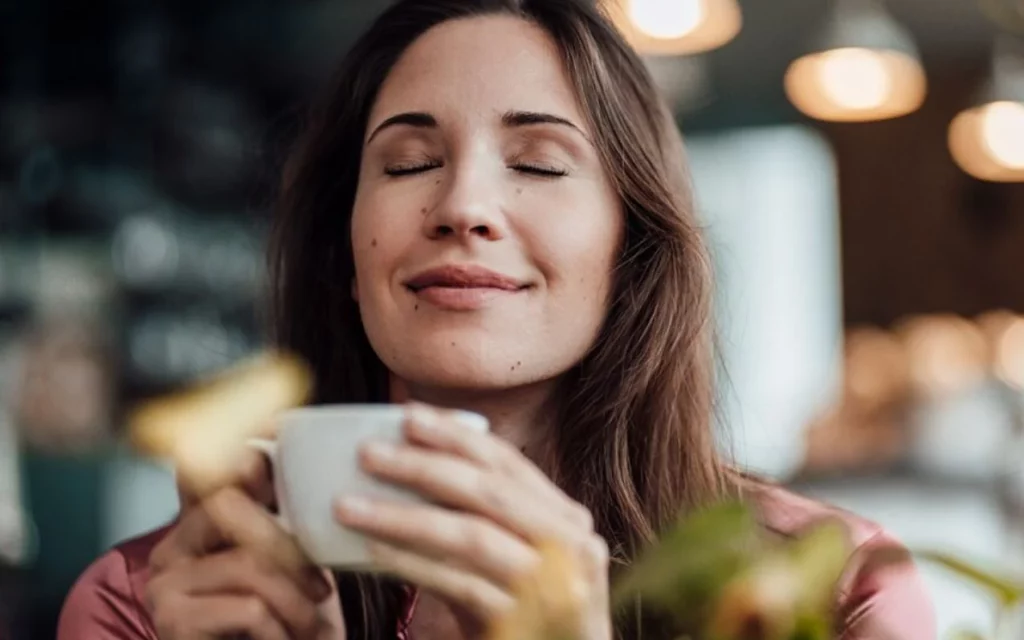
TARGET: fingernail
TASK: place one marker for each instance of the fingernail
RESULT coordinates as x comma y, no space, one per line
471,420
354,505
423,417
380,450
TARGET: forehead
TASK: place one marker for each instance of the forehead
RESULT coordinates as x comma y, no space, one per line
479,67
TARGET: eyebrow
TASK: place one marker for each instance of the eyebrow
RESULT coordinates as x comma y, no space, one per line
511,119
416,119
527,118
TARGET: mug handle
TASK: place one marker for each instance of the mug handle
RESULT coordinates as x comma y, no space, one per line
269,450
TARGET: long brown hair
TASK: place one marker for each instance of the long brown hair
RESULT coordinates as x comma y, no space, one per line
635,442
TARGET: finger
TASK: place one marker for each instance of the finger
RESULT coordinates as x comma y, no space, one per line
471,541
215,617
244,523
455,482
230,518
255,477
237,571
485,599
447,431
192,537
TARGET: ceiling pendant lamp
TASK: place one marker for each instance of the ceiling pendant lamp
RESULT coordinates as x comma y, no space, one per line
675,27
987,141
863,66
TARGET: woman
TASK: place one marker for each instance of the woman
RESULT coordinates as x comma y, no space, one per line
488,211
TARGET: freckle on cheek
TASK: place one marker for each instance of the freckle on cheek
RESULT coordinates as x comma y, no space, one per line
416,307
373,243
519,190
423,211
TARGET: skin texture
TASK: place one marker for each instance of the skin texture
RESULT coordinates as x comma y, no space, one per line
481,198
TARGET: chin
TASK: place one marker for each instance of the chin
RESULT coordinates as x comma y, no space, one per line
464,362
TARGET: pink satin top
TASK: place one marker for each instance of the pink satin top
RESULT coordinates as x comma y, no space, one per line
875,603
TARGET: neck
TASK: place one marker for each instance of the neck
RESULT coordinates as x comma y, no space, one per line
524,416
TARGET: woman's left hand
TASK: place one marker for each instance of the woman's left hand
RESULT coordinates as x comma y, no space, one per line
497,508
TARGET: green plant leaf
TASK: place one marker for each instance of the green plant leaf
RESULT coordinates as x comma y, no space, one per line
1009,590
690,562
819,557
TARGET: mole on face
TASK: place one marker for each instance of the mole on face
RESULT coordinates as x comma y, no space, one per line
373,243
519,190
416,307
423,211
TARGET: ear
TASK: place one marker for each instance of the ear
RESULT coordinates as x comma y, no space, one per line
355,290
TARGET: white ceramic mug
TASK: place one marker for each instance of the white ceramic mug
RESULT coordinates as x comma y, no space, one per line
314,460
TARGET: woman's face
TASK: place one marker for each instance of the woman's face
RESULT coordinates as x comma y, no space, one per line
485,228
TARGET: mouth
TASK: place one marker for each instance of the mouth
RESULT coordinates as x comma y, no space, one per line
464,277
463,287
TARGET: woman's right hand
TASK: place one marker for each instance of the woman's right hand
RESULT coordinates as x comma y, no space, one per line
227,568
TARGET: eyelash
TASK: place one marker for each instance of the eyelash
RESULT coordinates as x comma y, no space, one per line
540,171
400,170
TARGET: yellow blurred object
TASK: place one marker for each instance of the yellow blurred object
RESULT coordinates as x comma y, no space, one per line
856,84
987,139
676,27
550,601
203,430
862,66
987,142
762,603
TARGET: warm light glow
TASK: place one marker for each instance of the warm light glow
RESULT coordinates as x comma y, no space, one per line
1002,126
876,366
675,27
666,20
947,353
1009,361
854,78
988,141
855,84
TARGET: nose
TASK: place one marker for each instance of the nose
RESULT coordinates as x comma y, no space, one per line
468,205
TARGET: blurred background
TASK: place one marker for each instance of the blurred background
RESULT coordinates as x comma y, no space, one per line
858,165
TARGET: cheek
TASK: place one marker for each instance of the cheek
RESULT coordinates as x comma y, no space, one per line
577,247
379,233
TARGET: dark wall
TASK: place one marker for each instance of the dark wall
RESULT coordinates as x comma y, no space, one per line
918,234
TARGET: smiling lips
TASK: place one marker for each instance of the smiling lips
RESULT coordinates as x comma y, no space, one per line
462,287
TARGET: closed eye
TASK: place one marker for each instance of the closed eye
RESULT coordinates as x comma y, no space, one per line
541,170
398,170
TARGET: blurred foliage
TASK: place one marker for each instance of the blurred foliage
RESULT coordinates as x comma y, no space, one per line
721,574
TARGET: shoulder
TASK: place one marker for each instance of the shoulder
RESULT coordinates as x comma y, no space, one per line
106,602
890,600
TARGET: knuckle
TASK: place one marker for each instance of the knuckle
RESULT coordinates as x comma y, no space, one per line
254,613
305,615
167,619
163,554
472,595
247,564
492,491
476,538
583,516
597,551
153,594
